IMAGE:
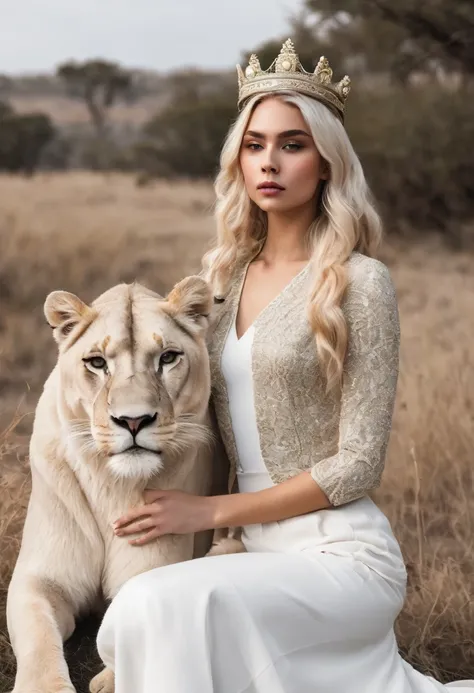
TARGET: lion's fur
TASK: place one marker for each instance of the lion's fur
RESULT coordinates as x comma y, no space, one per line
82,476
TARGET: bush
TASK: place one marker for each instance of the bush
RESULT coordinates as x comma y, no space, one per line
186,138
416,148
22,138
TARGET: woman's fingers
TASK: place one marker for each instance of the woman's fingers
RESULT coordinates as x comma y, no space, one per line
131,516
152,495
146,538
139,525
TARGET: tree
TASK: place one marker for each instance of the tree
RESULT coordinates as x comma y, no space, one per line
352,46
430,34
99,83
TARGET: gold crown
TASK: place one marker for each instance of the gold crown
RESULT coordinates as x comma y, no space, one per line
286,73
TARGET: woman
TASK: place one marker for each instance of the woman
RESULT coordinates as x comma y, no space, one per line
304,360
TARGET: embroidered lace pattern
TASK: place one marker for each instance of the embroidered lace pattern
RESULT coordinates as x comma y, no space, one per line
341,438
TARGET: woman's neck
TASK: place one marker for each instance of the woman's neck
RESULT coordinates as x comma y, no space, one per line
286,239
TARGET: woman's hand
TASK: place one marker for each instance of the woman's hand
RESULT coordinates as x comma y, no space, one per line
166,512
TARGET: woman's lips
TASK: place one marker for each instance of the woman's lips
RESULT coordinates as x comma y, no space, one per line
271,192
270,189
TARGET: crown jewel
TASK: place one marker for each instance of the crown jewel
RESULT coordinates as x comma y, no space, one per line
286,73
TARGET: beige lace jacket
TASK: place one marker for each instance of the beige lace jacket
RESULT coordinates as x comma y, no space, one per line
340,438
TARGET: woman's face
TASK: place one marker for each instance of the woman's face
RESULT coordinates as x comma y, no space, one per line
278,148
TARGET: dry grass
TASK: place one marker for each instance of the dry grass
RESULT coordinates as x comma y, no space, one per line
84,233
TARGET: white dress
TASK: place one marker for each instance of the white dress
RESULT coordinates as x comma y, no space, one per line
309,608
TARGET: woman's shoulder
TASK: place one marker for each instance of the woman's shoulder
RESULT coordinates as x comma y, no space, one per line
365,271
370,283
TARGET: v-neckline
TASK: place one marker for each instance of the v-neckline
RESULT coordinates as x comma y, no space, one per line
245,334
269,304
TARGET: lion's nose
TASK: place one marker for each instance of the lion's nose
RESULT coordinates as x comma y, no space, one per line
134,423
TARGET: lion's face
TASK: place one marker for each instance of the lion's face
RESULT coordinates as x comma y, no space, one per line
134,372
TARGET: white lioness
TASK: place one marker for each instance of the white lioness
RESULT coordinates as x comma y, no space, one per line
125,408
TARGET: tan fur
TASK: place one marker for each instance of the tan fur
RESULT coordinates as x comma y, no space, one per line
103,682
83,478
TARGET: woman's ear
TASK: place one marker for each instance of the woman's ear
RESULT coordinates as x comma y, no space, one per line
325,170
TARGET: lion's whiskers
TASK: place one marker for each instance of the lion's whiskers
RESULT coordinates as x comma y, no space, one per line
174,437
79,434
188,434
88,446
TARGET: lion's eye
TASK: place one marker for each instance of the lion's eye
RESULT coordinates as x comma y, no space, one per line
169,357
96,362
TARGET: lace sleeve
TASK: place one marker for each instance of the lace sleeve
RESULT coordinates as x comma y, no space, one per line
369,388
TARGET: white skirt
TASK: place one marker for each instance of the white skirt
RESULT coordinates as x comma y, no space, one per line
309,609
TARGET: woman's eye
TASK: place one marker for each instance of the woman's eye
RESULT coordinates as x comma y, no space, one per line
169,357
254,146
96,362
294,146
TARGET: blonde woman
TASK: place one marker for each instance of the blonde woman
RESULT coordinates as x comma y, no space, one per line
304,361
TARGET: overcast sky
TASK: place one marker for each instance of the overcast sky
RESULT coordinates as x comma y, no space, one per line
36,35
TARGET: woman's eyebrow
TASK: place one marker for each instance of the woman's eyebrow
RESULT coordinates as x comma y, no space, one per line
281,135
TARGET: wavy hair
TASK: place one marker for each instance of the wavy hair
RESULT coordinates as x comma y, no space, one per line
345,220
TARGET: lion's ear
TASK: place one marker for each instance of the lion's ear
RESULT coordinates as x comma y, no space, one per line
63,311
191,300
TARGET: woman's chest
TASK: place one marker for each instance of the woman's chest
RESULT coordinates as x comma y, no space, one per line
282,348
260,290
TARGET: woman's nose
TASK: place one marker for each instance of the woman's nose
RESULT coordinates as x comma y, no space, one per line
269,167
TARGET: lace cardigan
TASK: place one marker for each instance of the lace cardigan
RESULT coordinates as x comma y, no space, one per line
342,437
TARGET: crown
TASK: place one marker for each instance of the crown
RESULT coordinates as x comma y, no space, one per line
286,73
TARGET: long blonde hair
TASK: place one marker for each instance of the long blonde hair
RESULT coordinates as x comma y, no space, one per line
346,220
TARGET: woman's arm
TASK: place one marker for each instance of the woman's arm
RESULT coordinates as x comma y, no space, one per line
177,512
295,496
369,388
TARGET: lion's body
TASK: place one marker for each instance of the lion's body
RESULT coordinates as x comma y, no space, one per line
79,501
83,475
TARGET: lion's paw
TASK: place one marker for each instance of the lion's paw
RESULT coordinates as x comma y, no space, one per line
103,682
225,546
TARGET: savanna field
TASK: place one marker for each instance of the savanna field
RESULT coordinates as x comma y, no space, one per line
85,232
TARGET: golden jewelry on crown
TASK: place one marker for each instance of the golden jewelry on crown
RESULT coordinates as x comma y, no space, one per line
286,73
